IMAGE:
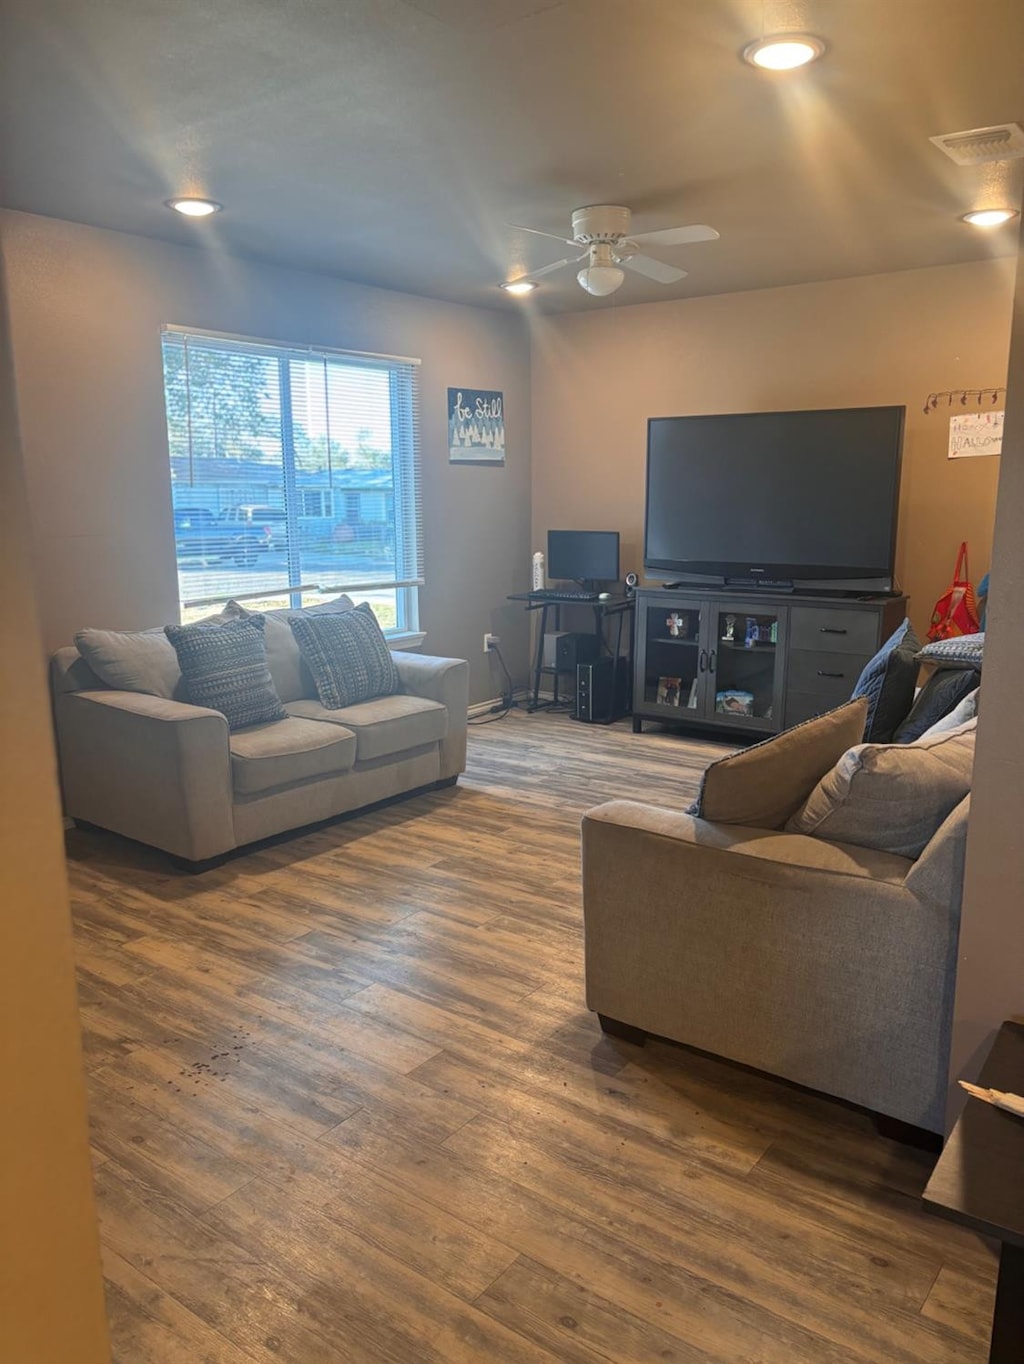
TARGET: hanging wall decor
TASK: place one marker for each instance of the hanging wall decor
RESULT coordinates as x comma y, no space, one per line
476,426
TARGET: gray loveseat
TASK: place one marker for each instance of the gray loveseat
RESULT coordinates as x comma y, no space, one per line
826,964
171,774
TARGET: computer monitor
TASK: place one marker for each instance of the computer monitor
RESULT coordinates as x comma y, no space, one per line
586,556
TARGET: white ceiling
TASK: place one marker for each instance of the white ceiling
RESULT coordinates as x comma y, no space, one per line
393,142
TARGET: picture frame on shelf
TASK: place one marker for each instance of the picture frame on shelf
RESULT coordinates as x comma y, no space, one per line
669,690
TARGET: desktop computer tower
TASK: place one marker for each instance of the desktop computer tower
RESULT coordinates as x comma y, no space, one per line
602,690
565,649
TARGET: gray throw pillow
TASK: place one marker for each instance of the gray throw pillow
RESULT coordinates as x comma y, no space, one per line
347,655
132,660
224,667
888,682
891,797
763,785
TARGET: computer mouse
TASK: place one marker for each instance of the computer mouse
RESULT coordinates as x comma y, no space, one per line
604,596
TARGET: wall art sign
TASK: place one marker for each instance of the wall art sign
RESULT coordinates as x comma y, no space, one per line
975,433
476,426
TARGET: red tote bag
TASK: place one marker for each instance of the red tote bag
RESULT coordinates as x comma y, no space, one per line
956,611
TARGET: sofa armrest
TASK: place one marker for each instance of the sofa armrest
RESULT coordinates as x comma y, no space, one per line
155,770
938,874
807,959
445,680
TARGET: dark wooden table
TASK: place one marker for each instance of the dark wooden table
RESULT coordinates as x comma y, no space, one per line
979,1182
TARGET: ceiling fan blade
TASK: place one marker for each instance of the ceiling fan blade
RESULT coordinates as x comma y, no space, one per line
654,269
549,269
677,236
536,232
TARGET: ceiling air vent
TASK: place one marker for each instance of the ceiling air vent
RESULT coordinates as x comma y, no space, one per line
1005,142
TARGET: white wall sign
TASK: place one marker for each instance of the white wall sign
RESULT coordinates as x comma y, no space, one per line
975,433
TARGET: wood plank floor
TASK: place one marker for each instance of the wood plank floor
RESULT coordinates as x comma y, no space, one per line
348,1107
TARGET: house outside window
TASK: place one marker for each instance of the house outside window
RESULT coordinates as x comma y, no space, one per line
295,475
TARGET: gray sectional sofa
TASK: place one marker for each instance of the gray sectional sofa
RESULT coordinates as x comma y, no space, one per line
172,775
826,964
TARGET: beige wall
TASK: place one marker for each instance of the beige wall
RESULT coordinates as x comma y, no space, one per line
884,339
86,309
51,1294
990,981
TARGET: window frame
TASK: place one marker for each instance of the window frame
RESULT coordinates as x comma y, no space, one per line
406,471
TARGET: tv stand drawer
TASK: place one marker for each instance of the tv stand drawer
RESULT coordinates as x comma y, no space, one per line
834,629
832,676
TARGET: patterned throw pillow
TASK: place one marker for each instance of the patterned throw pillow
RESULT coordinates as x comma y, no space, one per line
347,655
965,651
224,667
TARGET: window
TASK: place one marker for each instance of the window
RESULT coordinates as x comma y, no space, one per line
295,474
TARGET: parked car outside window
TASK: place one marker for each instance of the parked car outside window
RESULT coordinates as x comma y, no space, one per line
271,522
198,534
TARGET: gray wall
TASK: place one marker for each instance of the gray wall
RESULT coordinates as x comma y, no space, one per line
990,980
840,343
86,306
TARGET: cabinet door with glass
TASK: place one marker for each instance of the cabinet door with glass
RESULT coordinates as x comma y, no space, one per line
672,658
746,651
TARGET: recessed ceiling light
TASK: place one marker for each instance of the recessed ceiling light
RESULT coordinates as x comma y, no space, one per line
195,208
783,51
519,286
990,217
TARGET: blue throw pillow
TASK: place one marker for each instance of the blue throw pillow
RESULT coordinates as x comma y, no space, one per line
965,651
224,666
888,682
942,693
347,655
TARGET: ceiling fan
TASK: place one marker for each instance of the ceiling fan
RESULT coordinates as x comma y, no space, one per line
602,230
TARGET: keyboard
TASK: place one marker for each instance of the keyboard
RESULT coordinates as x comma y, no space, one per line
560,594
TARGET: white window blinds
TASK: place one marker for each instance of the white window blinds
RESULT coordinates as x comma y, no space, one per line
294,472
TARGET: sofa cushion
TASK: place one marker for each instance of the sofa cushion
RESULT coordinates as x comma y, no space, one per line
292,679
891,797
888,682
943,692
386,725
763,785
224,666
288,751
347,655
141,660
132,660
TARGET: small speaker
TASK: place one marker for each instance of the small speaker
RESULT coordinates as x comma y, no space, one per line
631,582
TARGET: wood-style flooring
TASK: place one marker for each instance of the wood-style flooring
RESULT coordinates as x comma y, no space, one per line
348,1108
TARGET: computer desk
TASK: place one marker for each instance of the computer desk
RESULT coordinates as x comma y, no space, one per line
616,606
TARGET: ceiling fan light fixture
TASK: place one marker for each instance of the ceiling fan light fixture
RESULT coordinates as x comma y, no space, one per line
194,208
784,51
517,287
990,217
601,280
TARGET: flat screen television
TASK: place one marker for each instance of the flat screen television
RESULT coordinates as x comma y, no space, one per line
775,499
587,556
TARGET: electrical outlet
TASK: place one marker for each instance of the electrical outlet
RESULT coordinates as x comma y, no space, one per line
491,642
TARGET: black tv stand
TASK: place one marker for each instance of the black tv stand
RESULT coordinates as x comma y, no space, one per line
740,660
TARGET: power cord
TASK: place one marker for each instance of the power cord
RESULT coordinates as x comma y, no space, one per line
507,701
